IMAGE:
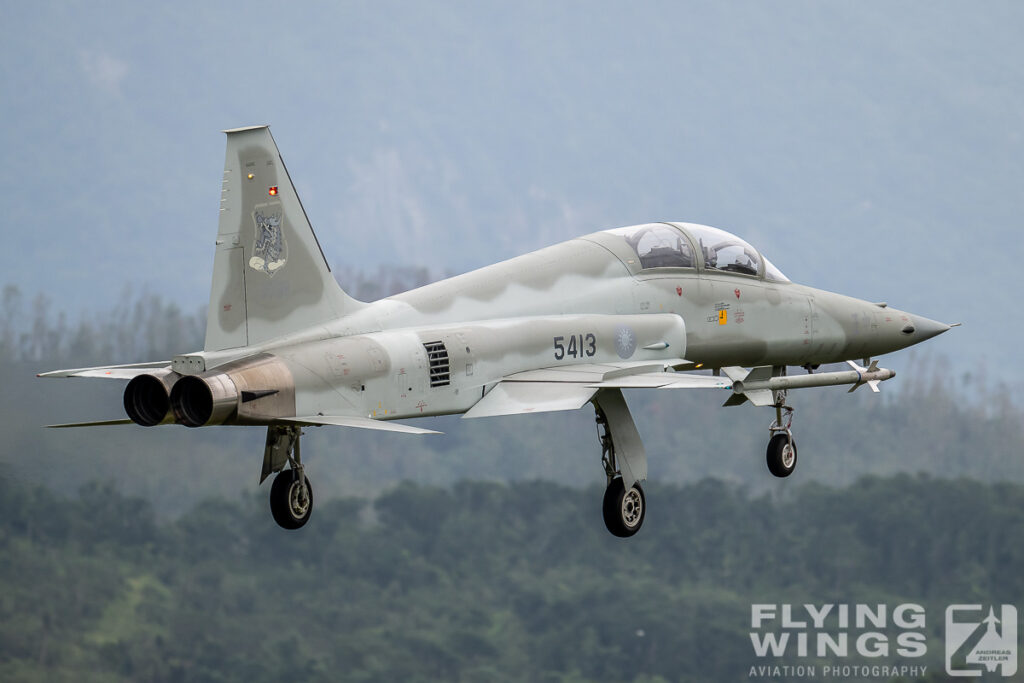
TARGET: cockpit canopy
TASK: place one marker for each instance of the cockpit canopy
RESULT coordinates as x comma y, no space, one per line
689,245
658,246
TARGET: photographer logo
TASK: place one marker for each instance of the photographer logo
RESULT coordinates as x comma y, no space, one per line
977,643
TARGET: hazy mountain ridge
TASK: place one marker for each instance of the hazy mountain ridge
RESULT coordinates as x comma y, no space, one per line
870,150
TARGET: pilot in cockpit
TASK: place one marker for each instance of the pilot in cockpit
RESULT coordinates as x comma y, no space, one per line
748,267
710,256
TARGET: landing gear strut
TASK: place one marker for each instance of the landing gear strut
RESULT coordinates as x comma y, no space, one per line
781,455
291,495
623,510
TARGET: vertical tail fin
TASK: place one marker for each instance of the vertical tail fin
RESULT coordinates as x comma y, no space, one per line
270,276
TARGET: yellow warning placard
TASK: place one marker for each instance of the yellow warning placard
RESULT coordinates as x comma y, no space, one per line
723,316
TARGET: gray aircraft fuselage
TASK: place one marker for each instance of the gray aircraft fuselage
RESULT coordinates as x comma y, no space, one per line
508,317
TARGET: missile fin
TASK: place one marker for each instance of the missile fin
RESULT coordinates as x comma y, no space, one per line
735,400
761,397
735,373
759,374
856,367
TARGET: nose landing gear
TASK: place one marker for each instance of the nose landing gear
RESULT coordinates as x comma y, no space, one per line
781,456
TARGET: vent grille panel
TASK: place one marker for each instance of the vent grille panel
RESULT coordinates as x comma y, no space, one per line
440,366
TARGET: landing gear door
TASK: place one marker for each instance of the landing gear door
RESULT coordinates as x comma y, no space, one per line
630,456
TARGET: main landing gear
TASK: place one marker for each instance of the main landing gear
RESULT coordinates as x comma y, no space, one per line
624,460
291,495
623,510
781,454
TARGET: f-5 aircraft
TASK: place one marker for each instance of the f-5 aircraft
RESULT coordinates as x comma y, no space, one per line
639,307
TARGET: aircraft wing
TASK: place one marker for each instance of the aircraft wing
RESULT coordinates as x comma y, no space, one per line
571,387
357,422
668,380
110,371
591,373
515,398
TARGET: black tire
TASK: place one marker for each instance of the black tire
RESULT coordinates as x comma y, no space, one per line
623,514
779,461
286,504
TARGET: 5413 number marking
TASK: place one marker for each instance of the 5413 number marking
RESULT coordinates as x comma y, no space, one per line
578,346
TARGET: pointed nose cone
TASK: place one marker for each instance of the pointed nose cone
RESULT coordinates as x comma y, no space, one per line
920,328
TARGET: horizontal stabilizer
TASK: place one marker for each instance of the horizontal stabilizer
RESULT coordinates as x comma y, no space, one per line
100,423
516,398
110,371
357,422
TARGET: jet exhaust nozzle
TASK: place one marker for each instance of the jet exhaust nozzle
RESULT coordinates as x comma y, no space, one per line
200,400
254,390
147,398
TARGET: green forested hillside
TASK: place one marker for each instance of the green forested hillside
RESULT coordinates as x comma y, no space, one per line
482,582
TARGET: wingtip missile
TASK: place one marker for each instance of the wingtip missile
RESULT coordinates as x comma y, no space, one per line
756,385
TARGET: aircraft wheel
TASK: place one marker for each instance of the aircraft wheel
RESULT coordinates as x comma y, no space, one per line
624,510
781,455
291,500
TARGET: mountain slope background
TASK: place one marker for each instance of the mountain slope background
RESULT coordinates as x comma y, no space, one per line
873,150
490,582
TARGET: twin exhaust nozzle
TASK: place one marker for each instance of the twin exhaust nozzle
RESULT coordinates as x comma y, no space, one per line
253,390
165,397
147,398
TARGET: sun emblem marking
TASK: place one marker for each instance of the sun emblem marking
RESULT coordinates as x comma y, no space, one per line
625,341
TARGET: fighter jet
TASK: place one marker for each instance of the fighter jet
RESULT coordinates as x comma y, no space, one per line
640,307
